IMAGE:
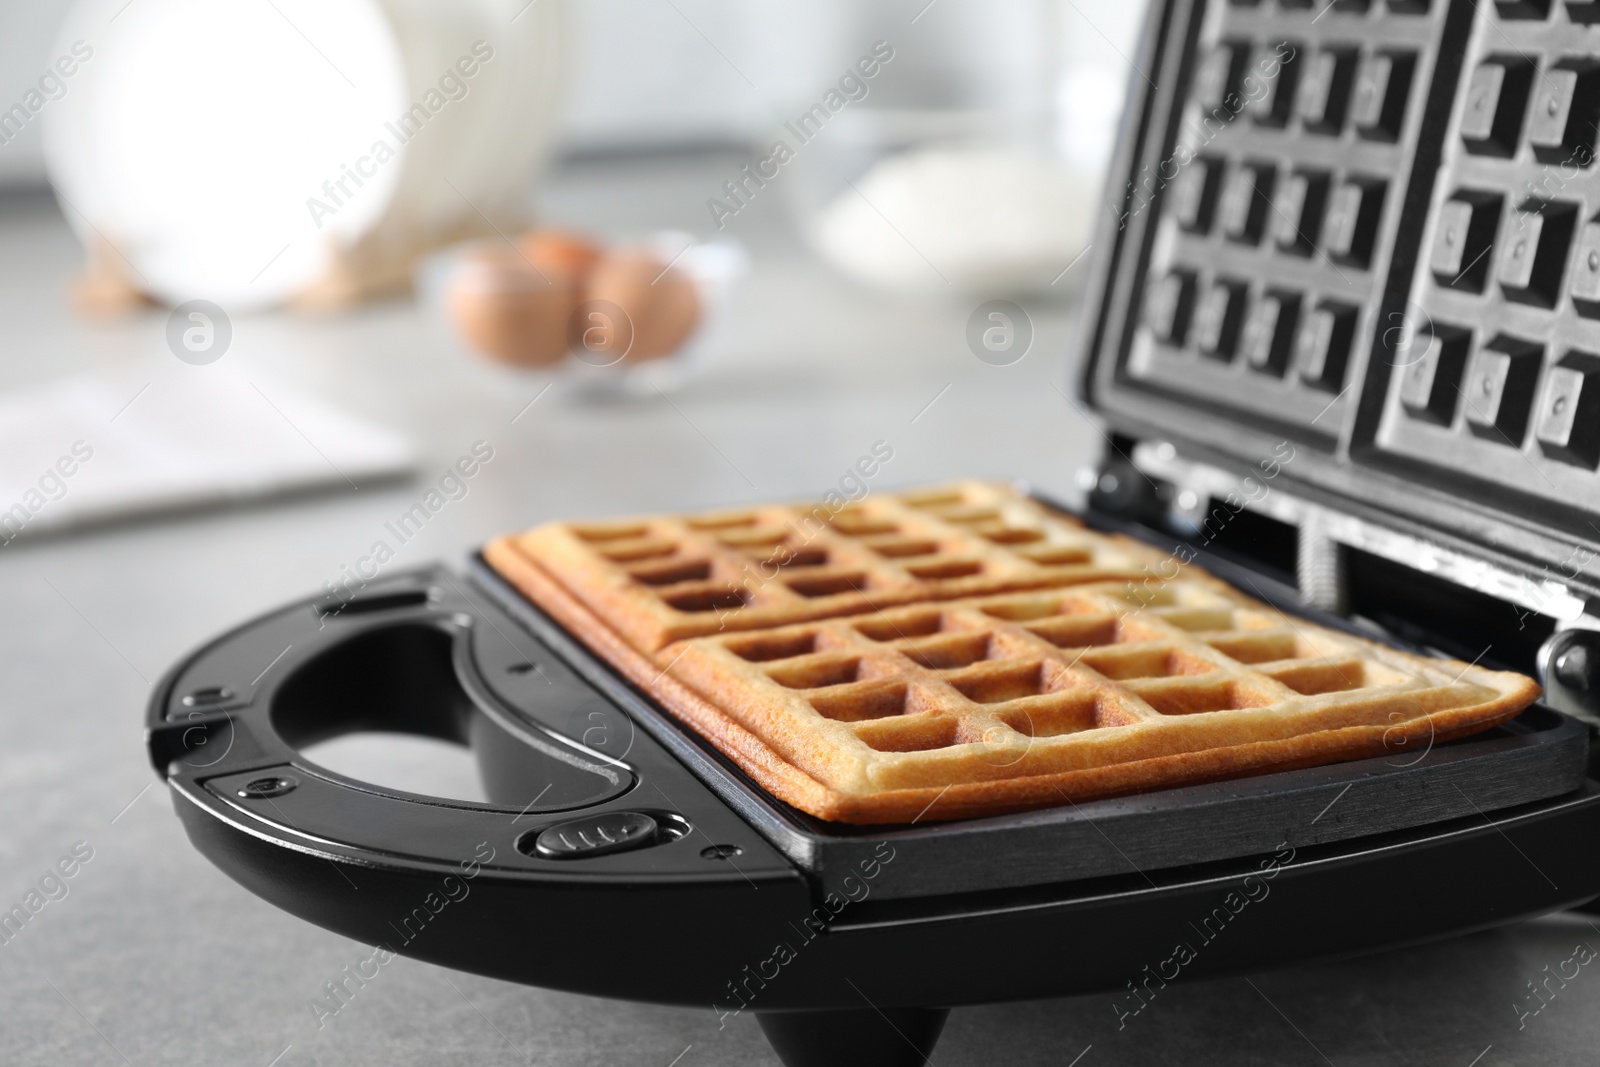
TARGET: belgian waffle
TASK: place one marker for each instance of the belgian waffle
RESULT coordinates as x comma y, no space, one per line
966,651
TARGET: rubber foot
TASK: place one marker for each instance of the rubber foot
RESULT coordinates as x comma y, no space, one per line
895,1037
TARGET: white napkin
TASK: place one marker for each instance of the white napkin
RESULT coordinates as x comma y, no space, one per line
95,447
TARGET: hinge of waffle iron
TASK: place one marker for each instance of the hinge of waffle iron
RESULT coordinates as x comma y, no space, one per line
1151,482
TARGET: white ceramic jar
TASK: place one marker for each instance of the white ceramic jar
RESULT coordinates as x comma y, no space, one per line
297,150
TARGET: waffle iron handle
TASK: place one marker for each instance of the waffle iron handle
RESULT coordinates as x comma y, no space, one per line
463,885
408,667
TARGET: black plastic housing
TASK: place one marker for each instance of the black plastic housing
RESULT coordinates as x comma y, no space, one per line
695,911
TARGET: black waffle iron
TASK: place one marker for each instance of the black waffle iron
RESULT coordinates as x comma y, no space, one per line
1345,330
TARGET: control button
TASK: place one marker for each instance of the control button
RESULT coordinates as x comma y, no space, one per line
1273,106
1322,345
1461,243
1430,382
1245,202
208,697
1325,90
1169,305
273,785
597,835
1491,117
1561,128
1353,221
1522,9
1568,425
1379,106
1534,252
1499,392
1585,287
1299,213
1217,319
1194,194
1269,333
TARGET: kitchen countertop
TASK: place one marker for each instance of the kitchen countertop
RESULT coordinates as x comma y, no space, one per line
155,957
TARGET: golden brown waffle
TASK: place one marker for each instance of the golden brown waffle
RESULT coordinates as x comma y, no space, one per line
966,652
664,578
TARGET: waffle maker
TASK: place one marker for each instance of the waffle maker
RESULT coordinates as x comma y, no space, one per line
1345,329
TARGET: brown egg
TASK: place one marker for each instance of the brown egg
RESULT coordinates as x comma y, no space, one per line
508,310
560,251
660,302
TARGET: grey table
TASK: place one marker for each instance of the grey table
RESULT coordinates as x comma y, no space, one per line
154,957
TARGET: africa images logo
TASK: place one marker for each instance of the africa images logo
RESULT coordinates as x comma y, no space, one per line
453,84
852,88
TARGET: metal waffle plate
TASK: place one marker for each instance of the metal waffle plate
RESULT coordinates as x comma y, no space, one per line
1537,756
1372,229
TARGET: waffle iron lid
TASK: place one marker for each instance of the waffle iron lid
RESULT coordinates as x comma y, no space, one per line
1368,230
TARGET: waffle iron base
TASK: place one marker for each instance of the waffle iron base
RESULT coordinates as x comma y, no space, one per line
719,909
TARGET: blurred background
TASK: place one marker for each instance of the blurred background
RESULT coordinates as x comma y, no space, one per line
835,189
648,256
